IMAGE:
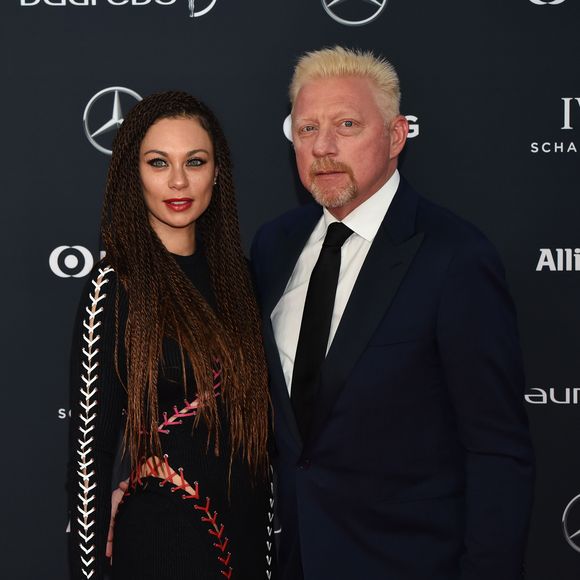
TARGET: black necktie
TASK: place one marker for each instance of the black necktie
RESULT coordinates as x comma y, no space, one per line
315,327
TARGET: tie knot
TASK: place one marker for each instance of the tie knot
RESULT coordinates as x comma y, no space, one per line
336,234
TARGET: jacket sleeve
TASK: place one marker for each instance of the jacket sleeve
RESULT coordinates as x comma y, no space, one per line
479,347
97,399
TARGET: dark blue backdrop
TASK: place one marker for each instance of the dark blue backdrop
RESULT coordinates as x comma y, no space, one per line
495,90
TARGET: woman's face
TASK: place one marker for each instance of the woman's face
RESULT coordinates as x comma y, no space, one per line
177,168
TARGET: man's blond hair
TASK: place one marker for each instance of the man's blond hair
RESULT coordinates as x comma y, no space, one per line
344,62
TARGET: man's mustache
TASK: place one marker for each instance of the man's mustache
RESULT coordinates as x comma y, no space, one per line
327,165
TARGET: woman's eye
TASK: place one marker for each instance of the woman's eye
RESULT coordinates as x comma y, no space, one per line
195,162
157,162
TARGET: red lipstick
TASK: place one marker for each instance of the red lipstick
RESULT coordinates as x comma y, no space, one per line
178,203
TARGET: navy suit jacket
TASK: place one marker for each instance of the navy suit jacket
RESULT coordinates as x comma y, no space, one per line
418,465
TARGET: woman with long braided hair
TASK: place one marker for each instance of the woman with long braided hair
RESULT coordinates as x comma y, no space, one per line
167,358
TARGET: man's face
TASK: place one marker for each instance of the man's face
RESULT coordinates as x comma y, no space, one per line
345,151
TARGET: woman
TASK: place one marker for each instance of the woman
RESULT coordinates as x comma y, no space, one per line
168,355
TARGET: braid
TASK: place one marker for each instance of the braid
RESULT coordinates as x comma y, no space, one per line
162,301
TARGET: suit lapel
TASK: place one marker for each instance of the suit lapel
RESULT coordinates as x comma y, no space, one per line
385,266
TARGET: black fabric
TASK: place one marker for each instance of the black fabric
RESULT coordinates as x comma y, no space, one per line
196,269
159,533
315,326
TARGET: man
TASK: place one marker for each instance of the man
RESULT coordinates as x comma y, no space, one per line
396,374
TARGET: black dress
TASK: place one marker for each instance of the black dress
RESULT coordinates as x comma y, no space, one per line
184,517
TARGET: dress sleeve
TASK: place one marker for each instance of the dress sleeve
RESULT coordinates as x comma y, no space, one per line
97,400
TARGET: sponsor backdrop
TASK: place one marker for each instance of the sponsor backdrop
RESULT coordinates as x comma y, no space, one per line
492,92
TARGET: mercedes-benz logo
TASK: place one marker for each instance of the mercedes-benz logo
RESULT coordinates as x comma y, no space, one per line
352,12
193,13
116,119
571,523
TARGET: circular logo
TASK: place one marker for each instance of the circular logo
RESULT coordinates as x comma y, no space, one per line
193,13
355,12
110,114
571,523
544,2
70,261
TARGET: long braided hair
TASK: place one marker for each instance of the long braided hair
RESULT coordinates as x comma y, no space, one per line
163,303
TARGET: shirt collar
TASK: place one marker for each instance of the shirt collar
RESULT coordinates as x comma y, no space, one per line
366,219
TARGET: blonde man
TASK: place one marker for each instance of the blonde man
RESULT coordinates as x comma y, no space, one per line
396,375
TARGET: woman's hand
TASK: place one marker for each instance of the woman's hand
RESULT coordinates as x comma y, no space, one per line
116,498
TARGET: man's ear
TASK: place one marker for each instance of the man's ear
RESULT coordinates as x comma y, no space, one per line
399,129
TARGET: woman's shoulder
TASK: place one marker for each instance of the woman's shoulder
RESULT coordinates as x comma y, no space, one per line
99,293
102,279
102,308
103,269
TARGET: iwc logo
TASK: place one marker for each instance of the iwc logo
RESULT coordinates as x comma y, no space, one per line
109,111
354,12
570,111
571,523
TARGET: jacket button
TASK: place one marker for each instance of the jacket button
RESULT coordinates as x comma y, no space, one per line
304,464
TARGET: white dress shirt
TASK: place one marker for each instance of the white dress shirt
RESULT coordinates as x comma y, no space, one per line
364,221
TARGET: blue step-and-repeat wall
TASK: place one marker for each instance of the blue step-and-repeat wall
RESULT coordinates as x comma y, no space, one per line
491,89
